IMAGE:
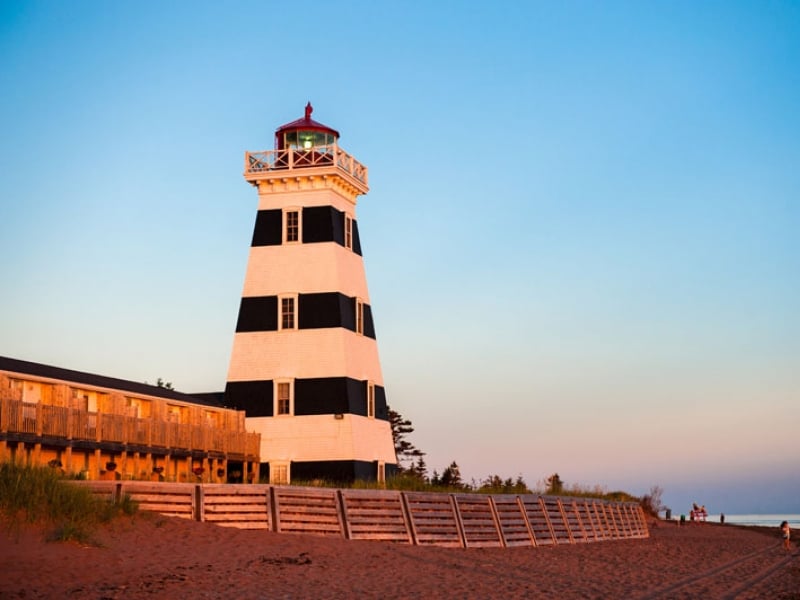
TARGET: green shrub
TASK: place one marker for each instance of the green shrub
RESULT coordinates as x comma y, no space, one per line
43,495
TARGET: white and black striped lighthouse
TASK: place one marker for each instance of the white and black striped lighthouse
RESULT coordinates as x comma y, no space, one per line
304,365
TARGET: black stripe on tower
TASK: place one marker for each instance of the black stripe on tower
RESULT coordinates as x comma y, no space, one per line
320,224
258,314
267,231
316,396
314,311
338,470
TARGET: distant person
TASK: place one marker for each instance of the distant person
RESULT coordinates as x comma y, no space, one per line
722,518
786,533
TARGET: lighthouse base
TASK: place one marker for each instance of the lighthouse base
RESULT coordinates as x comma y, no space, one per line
338,448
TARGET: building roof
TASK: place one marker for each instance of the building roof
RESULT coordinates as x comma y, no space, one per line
306,124
24,367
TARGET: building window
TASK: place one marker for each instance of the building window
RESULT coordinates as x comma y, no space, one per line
370,399
139,408
279,473
212,418
291,230
359,316
84,400
283,398
348,232
287,318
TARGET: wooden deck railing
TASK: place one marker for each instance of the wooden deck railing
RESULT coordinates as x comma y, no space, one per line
418,518
43,420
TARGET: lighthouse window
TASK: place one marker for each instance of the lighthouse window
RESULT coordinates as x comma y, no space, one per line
279,473
348,232
292,228
370,399
287,316
359,316
283,403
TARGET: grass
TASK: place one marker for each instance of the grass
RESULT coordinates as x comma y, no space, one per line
42,495
406,482
401,482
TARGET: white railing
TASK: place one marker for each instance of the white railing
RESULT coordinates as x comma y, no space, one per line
296,158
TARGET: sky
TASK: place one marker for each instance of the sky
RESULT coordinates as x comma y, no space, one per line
581,236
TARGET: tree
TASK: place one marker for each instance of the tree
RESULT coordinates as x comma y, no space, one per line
496,485
451,477
167,385
651,503
554,484
405,450
419,469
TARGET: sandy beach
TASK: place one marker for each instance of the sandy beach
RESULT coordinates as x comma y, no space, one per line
150,556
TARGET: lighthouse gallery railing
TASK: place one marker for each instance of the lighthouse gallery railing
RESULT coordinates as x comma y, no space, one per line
297,158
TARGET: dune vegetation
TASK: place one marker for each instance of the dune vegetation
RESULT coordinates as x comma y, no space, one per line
43,495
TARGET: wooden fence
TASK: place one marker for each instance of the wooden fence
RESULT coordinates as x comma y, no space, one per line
417,518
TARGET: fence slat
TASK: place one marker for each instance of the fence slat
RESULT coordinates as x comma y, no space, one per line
478,522
240,506
433,519
375,515
307,510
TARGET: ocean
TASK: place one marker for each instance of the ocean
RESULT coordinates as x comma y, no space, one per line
760,520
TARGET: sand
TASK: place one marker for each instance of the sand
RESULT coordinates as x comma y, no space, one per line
150,556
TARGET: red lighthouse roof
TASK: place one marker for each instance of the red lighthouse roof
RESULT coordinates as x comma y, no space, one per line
304,133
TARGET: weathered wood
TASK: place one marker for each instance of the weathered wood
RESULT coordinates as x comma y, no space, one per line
608,520
573,517
557,518
375,515
514,526
105,490
538,520
433,519
586,519
595,517
407,517
640,521
173,499
477,520
236,505
307,510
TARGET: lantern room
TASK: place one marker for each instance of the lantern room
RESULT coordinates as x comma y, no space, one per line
305,134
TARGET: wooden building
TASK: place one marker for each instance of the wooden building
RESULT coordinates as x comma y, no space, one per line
104,428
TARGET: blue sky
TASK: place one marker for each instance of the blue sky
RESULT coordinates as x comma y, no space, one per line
580,240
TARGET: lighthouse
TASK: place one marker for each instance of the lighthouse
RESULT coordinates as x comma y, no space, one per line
304,365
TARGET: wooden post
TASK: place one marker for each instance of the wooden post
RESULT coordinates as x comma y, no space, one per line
199,503
39,420
97,467
69,423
